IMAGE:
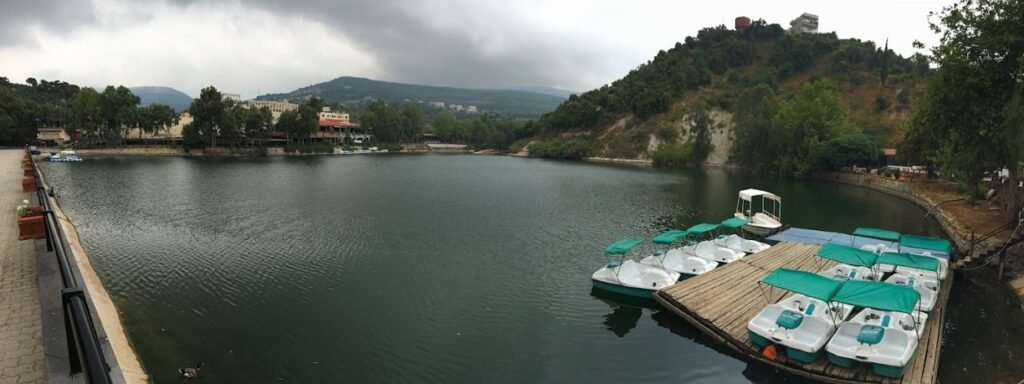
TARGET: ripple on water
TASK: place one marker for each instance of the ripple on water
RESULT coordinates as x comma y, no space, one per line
400,268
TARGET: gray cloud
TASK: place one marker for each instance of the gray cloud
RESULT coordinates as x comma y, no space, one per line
478,46
18,18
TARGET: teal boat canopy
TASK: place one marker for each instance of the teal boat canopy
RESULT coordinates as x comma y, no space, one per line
847,255
702,228
804,283
877,295
620,247
877,233
669,237
908,260
924,242
733,223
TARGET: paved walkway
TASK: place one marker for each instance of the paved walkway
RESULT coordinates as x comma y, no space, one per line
21,333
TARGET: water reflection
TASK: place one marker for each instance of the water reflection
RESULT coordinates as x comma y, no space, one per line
626,310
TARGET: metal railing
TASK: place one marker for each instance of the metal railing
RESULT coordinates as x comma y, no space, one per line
85,354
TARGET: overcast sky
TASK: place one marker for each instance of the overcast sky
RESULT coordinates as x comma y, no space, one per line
260,46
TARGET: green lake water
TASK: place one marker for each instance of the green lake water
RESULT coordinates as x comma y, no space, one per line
437,268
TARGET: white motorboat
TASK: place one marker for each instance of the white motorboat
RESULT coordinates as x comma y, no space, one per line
676,260
885,334
803,322
65,156
762,222
737,243
628,277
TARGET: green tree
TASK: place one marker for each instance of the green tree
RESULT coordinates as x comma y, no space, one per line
443,124
700,132
289,123
86,114
804,125
208,114
17,126
119,110
980,66
754,112
257,123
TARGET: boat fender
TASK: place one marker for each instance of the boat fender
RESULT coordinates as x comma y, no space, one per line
770,352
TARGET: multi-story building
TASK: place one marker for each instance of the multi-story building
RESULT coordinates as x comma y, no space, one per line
52,136
328,115
275,107
806,23
232,96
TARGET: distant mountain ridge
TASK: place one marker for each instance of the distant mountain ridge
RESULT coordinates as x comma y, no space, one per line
355,90
557,92
178,100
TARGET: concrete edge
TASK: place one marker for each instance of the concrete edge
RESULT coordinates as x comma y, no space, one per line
120,355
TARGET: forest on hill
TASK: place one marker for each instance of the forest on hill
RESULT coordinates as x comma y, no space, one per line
781,102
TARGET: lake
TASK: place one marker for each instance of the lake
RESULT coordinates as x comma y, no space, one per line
429,268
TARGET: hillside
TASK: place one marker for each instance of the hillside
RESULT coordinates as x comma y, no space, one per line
355,91
704,82
162,95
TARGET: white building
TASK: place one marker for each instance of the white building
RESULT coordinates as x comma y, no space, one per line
437,104
232,96
471,109
806,23
327,114
275,107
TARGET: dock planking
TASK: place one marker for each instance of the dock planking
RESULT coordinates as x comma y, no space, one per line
721,302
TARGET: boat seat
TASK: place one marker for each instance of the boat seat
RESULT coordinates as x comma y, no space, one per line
870,334
810,309
789,319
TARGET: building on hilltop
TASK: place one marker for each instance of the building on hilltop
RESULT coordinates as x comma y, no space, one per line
742,22
805,23
232,96
471,109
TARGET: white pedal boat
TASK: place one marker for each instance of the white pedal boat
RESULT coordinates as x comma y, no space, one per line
801,323
737,243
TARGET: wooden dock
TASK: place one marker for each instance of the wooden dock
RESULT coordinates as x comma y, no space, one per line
721,302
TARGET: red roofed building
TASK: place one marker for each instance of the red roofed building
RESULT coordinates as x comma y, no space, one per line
341,131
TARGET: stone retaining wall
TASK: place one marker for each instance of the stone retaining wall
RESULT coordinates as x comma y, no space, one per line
958,234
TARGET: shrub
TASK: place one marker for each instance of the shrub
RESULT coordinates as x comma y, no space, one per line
561,148
848,149
322,147
674,155
667,134
881,103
